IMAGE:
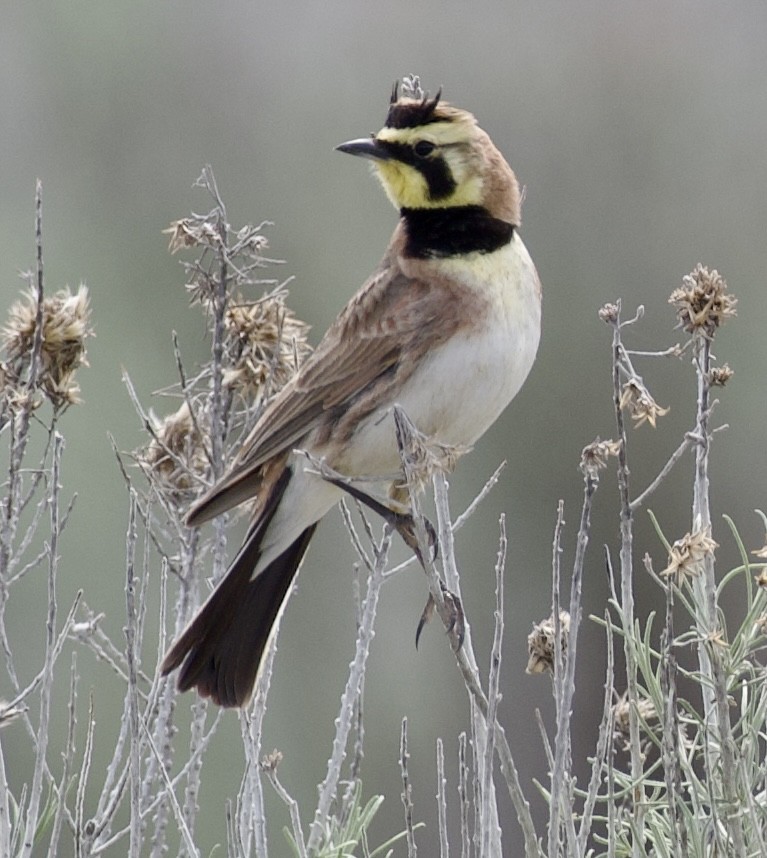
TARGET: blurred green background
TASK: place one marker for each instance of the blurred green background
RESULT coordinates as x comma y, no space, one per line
639,131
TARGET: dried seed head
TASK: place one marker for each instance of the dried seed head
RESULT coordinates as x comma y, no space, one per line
702,302
642,407
595,455
176,455
540,643
687,554
270,762
195,231
718,376
65,328
609,313
621,719
266,344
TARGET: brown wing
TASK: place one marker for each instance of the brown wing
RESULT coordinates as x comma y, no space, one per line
391,316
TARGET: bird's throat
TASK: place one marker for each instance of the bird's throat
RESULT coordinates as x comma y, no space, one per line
453,231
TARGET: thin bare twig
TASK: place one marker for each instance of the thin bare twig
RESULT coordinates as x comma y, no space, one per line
407,794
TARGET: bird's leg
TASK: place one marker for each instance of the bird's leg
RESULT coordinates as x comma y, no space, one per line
400,519
404,523
399,516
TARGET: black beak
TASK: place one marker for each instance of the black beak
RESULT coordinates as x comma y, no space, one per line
366,147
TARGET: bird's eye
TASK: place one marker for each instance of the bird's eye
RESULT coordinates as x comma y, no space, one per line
424,148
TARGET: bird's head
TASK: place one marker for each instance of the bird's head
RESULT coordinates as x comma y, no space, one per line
431,155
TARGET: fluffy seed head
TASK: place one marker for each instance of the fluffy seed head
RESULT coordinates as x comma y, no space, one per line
175,457
541,642
702,302
266,344
640,403
685,560
65,328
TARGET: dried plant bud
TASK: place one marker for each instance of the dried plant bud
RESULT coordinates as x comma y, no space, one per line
270,762
702,302
266,345
609,313
621,719
718,376
595,455
176,455
540,643
66,326
761,578
687,554
642,407
195,231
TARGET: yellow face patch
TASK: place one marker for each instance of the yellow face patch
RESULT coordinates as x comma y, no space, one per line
406,187
406,184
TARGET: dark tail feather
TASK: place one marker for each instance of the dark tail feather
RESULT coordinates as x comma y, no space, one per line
222,648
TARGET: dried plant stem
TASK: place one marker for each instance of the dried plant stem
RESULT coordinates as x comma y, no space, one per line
627,593
463,795
36,791
719,738
292,805
662,475
407,792
604,749
491,829
467,664
134,766
346,719
564,681
444,847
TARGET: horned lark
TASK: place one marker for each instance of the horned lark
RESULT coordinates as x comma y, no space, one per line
447,327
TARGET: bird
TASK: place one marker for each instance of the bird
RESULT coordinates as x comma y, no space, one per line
447,328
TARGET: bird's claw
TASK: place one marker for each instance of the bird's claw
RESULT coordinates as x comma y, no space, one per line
453,617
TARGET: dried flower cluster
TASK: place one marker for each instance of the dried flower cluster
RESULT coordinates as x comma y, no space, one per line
621,719
640,403
270,762
262,344
702,302
595,455
176,455
65,328
718,376
195,231
609,313
687,555
540,643
266,345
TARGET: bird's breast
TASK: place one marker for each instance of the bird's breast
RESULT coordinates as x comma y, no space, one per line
461,386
